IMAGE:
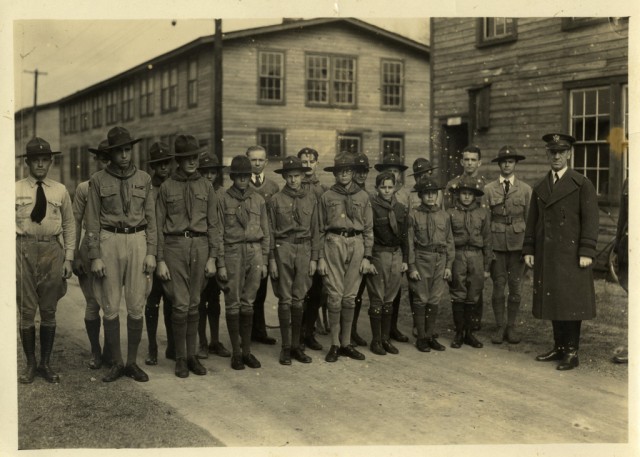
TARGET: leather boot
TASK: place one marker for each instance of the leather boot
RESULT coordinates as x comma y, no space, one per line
233,326
394,332
246,324
457,310
511,335
477,309
47,336
385,325
195,366
112,338
557,353
179,325
498,335
569,360
376,332
28,337
170,351
470,322
192,334
93,332
355,338
284,318
151,312
285,355
134,335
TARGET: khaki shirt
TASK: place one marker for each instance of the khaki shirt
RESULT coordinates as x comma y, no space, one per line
58,219
508,213
449,200
430,230
471,227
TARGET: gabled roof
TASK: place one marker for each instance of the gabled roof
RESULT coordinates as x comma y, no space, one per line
286,25
41,107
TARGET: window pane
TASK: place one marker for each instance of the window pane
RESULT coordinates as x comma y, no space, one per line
590,102
578,102
603,128
592,156
578,157
578,129
590,129
604,101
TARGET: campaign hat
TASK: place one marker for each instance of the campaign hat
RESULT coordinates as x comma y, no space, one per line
38,147
187,145
390,161
159,152
341,161
291,163
240,165
119,137
467,183
508,152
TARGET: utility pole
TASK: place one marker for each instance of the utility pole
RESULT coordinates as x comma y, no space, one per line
35,96
216,111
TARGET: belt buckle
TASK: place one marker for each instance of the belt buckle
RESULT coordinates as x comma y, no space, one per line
507,220
125,230
187,234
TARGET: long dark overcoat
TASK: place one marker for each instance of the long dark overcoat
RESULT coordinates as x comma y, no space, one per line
562,226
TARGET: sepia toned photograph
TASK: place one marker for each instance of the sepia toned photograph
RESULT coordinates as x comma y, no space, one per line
334,234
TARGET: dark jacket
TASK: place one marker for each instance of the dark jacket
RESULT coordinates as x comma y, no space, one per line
562,226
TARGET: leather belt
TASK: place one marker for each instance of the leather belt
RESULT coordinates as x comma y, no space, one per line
187,234
435,249
347,233
39,238
466,247
293,240
381,248
127,230
508,220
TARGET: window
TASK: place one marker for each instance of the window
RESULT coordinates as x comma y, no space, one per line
392,84
66,110
74,168
496,30
331,81
169,94
272,141
112,106
480,107
349,142
392,144
271,77
96,111
143,149
73,119
127,102
85,163
192,84
168,140
146,96
84,117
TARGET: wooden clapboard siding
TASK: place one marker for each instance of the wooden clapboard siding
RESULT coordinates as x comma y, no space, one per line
528,93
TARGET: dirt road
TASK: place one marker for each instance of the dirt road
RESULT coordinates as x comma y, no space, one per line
465,396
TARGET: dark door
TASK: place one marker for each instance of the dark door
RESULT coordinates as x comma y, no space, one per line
454,139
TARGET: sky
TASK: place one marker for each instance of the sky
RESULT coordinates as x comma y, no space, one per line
75,54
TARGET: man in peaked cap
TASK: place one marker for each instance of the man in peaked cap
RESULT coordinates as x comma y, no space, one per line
346,242
43,262
294,253
122,240
508,199
560,245
160,161
82,266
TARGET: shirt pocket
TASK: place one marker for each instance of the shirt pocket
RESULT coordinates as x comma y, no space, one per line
200,203
138,198
175,204
54,209
358,212
24,206
284,217
230,217
254,216
335,213
110,199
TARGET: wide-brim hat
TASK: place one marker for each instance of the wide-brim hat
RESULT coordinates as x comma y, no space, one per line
292,163
187,145
508,152
341,161
390,161
102,147
159,152
427,184
38,147
467,183
420,166
309,151
119,137
558,141
361,161
240,165
208,161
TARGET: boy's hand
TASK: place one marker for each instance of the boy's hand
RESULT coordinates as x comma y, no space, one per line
414,276
97,268
313,265
222,274
210,268
163,271
486,275
264,272
365,267
447,274
322,267
149,264
273,269
404,267
528,260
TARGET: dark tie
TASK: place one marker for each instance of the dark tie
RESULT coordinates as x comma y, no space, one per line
555,178
258,181
40,208
506,186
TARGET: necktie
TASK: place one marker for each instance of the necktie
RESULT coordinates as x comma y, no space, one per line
40,208
258,181
555,178
506,186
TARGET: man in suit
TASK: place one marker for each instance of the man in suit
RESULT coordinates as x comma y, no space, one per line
559,245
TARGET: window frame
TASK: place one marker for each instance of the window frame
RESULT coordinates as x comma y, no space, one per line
112,111
84,114
146,100
331,81
483,41
96,111
273,131
349,135
169,93
281,79
127,105
385,136
401,63
192,83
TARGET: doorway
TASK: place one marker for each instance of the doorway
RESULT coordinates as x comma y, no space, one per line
454,139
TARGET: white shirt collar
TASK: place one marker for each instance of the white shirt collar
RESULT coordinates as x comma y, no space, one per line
510,179
560,172
253,177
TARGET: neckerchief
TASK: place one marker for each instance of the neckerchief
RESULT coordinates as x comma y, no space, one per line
242,213
295,195
352,189
180,175
382,203
123,176
431,223
156,180
467,214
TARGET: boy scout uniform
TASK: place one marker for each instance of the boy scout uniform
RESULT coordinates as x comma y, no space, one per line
121,231
43,216
431,251
157,153
294,244
245,252
189,234
508,201
346,237
472,237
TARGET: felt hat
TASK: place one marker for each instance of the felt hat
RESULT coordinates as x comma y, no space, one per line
240,165
361,161
508,152
467,183
159,152
38,147
390,161
426,184
119,137
208,161
291,163
187,145
341,161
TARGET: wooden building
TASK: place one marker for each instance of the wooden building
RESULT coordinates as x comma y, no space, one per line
48,128
330,84
499,81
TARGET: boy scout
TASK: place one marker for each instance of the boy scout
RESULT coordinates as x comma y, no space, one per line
242,261
294,253
389,260
266,188
82,266
121,236
316,297
210,299
472,237
508,199
346,241
430,257
160,161
43,263
188,241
